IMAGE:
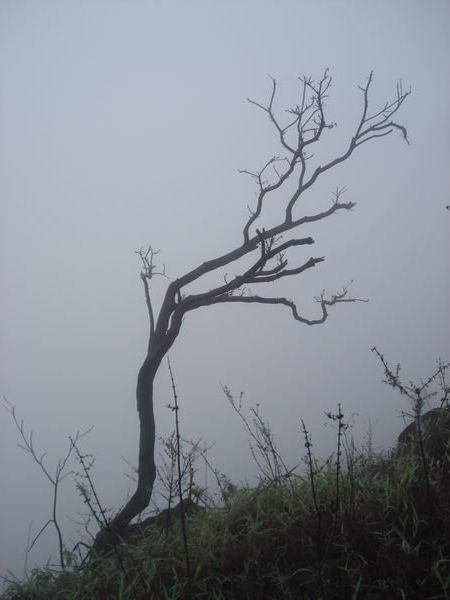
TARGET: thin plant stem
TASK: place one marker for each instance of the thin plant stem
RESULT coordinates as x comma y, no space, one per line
175,408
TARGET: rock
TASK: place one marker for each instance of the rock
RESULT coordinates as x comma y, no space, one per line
163,520
435,425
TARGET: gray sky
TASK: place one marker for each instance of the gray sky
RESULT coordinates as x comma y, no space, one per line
123,124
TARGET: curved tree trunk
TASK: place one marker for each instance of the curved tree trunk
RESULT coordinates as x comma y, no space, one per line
112,534
160,341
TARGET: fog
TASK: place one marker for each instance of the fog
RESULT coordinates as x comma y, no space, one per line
124,124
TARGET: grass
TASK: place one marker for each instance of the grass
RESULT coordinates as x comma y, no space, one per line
384,540
357,527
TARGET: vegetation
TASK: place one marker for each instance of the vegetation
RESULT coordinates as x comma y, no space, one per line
357,526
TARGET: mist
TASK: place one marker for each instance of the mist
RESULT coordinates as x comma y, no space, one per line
124,124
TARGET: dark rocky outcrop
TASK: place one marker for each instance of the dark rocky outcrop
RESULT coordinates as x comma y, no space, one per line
164,520
435,428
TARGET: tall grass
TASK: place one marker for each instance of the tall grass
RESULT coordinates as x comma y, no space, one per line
357,526
383,543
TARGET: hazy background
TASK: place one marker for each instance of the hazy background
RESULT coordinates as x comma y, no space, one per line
123,124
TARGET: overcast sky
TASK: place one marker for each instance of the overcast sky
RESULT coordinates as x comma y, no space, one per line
123,124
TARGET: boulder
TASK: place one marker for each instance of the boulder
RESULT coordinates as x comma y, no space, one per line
164,520
435,426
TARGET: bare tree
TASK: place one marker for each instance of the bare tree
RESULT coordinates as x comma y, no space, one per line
266,248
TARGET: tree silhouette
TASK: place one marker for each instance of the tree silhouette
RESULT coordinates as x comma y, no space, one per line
268,249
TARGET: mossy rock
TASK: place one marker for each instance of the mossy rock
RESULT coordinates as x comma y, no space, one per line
435,434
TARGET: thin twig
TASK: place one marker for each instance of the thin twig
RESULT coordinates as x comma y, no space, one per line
180,488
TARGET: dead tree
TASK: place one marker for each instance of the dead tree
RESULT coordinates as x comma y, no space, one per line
269,247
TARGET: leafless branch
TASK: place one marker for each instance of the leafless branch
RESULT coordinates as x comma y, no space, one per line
272,467
310,122
324,302
149,270
55,480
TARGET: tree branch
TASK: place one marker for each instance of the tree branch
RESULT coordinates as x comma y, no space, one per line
337,298
147,273
310,122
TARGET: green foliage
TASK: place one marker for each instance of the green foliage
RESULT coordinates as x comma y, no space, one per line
383,540
358,526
